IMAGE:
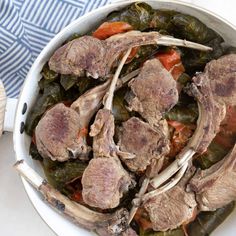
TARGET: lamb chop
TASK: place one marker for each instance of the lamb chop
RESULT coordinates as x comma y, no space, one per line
145,142
104,224
96,57
153,92
213,89
172,208
57,134
105,180
216,186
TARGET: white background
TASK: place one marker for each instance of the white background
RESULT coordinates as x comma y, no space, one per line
17,215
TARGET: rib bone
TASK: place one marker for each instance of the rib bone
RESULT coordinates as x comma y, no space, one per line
113,224
213,89
89,55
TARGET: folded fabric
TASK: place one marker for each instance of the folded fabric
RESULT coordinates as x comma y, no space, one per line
26,26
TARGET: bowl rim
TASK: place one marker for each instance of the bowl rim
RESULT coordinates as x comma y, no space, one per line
27,187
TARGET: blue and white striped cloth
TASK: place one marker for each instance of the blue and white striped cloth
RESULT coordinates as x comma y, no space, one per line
25,28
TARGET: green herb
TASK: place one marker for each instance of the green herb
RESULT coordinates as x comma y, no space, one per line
68,81
51,95
59,174
161,20
190,28
119,110
137,15
34,152
213,154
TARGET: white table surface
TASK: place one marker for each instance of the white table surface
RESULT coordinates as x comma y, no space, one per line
17,215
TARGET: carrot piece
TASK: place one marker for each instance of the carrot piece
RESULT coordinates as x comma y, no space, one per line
171,60
142,219
177,70
83,132
180,137
77,197
108,29
132,54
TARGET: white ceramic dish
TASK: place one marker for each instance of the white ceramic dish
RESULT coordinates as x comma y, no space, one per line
60,225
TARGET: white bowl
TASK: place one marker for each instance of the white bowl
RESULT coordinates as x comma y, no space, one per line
60,225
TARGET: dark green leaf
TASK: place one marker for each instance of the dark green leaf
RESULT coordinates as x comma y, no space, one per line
175,232
68,81
85,83
34,152
230,50
213,154
143,54
48,74
51,95
183,114
186,111
61,173
119,110
161,20
190,28
72,37
184,79
207,222
195,60
137,14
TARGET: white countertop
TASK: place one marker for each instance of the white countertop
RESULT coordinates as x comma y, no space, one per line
17,215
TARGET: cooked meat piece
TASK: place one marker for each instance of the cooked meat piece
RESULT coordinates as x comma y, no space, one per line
103,131
143,141
216,186
171,209
222,76
154,91
104,182
57,134
94,56
79,55
214,89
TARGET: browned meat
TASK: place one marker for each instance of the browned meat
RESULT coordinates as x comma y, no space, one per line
222,76
154,91
171,209
83,54
214,88
146,143
57,134
102,132
94,56
216,186
105,180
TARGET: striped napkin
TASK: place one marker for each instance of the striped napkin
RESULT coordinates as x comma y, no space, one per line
26,26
